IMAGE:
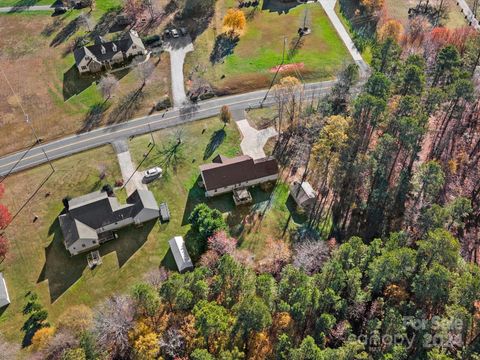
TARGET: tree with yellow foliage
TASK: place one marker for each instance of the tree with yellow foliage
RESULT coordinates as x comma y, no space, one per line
146,346
41,337
288,93
145,341
76,319
234,21
390,29
372,5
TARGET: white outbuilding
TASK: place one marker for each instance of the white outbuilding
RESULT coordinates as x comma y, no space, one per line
4,298
179,251
303,194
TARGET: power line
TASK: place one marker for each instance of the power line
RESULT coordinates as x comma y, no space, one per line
32,128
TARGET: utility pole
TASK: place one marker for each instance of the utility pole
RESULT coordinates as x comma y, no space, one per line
276,73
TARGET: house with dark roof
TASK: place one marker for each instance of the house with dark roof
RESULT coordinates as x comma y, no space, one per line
104,55
224,175
90,220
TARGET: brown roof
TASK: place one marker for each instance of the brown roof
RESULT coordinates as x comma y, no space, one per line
226,172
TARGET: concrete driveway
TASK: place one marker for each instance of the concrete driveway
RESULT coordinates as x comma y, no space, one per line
178,49
127,167
254,140
329,7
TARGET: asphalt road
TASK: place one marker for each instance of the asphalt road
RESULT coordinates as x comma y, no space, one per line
77,143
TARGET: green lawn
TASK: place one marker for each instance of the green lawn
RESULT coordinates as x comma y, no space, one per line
259,49
37,260
4,3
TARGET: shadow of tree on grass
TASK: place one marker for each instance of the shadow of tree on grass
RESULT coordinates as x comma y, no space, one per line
217,138
224,46
126,107
94,117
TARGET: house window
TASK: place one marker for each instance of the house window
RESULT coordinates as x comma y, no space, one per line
134,46
84,68
83,245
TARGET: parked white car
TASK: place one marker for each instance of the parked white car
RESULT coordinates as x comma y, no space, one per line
153,173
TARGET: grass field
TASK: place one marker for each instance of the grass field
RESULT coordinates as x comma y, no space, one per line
38,259
399,10
4,3
41,71
39,262
259,49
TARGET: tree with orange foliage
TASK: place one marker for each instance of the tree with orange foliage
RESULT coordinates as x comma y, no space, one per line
260,346
234,21
372,5
391,28
42,337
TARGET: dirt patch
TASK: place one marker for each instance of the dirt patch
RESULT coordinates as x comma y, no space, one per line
242,83
287,67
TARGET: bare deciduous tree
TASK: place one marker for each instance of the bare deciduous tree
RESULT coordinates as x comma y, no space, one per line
310,255
9,351
107,85
145,70
156,277
112,322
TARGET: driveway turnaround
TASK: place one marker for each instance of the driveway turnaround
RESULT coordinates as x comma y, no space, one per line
178,49
329,7
254,140
131,178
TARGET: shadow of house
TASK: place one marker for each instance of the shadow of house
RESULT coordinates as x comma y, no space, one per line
224,46
217,138
74,84
130,240
62,270
279,6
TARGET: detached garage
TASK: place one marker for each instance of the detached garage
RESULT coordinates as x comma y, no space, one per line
4,298
179,251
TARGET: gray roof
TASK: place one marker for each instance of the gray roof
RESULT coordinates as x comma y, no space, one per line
107,50
303,193
4,298
89,213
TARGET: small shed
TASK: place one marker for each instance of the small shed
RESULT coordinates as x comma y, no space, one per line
4,298
164,212
179,251
303,194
